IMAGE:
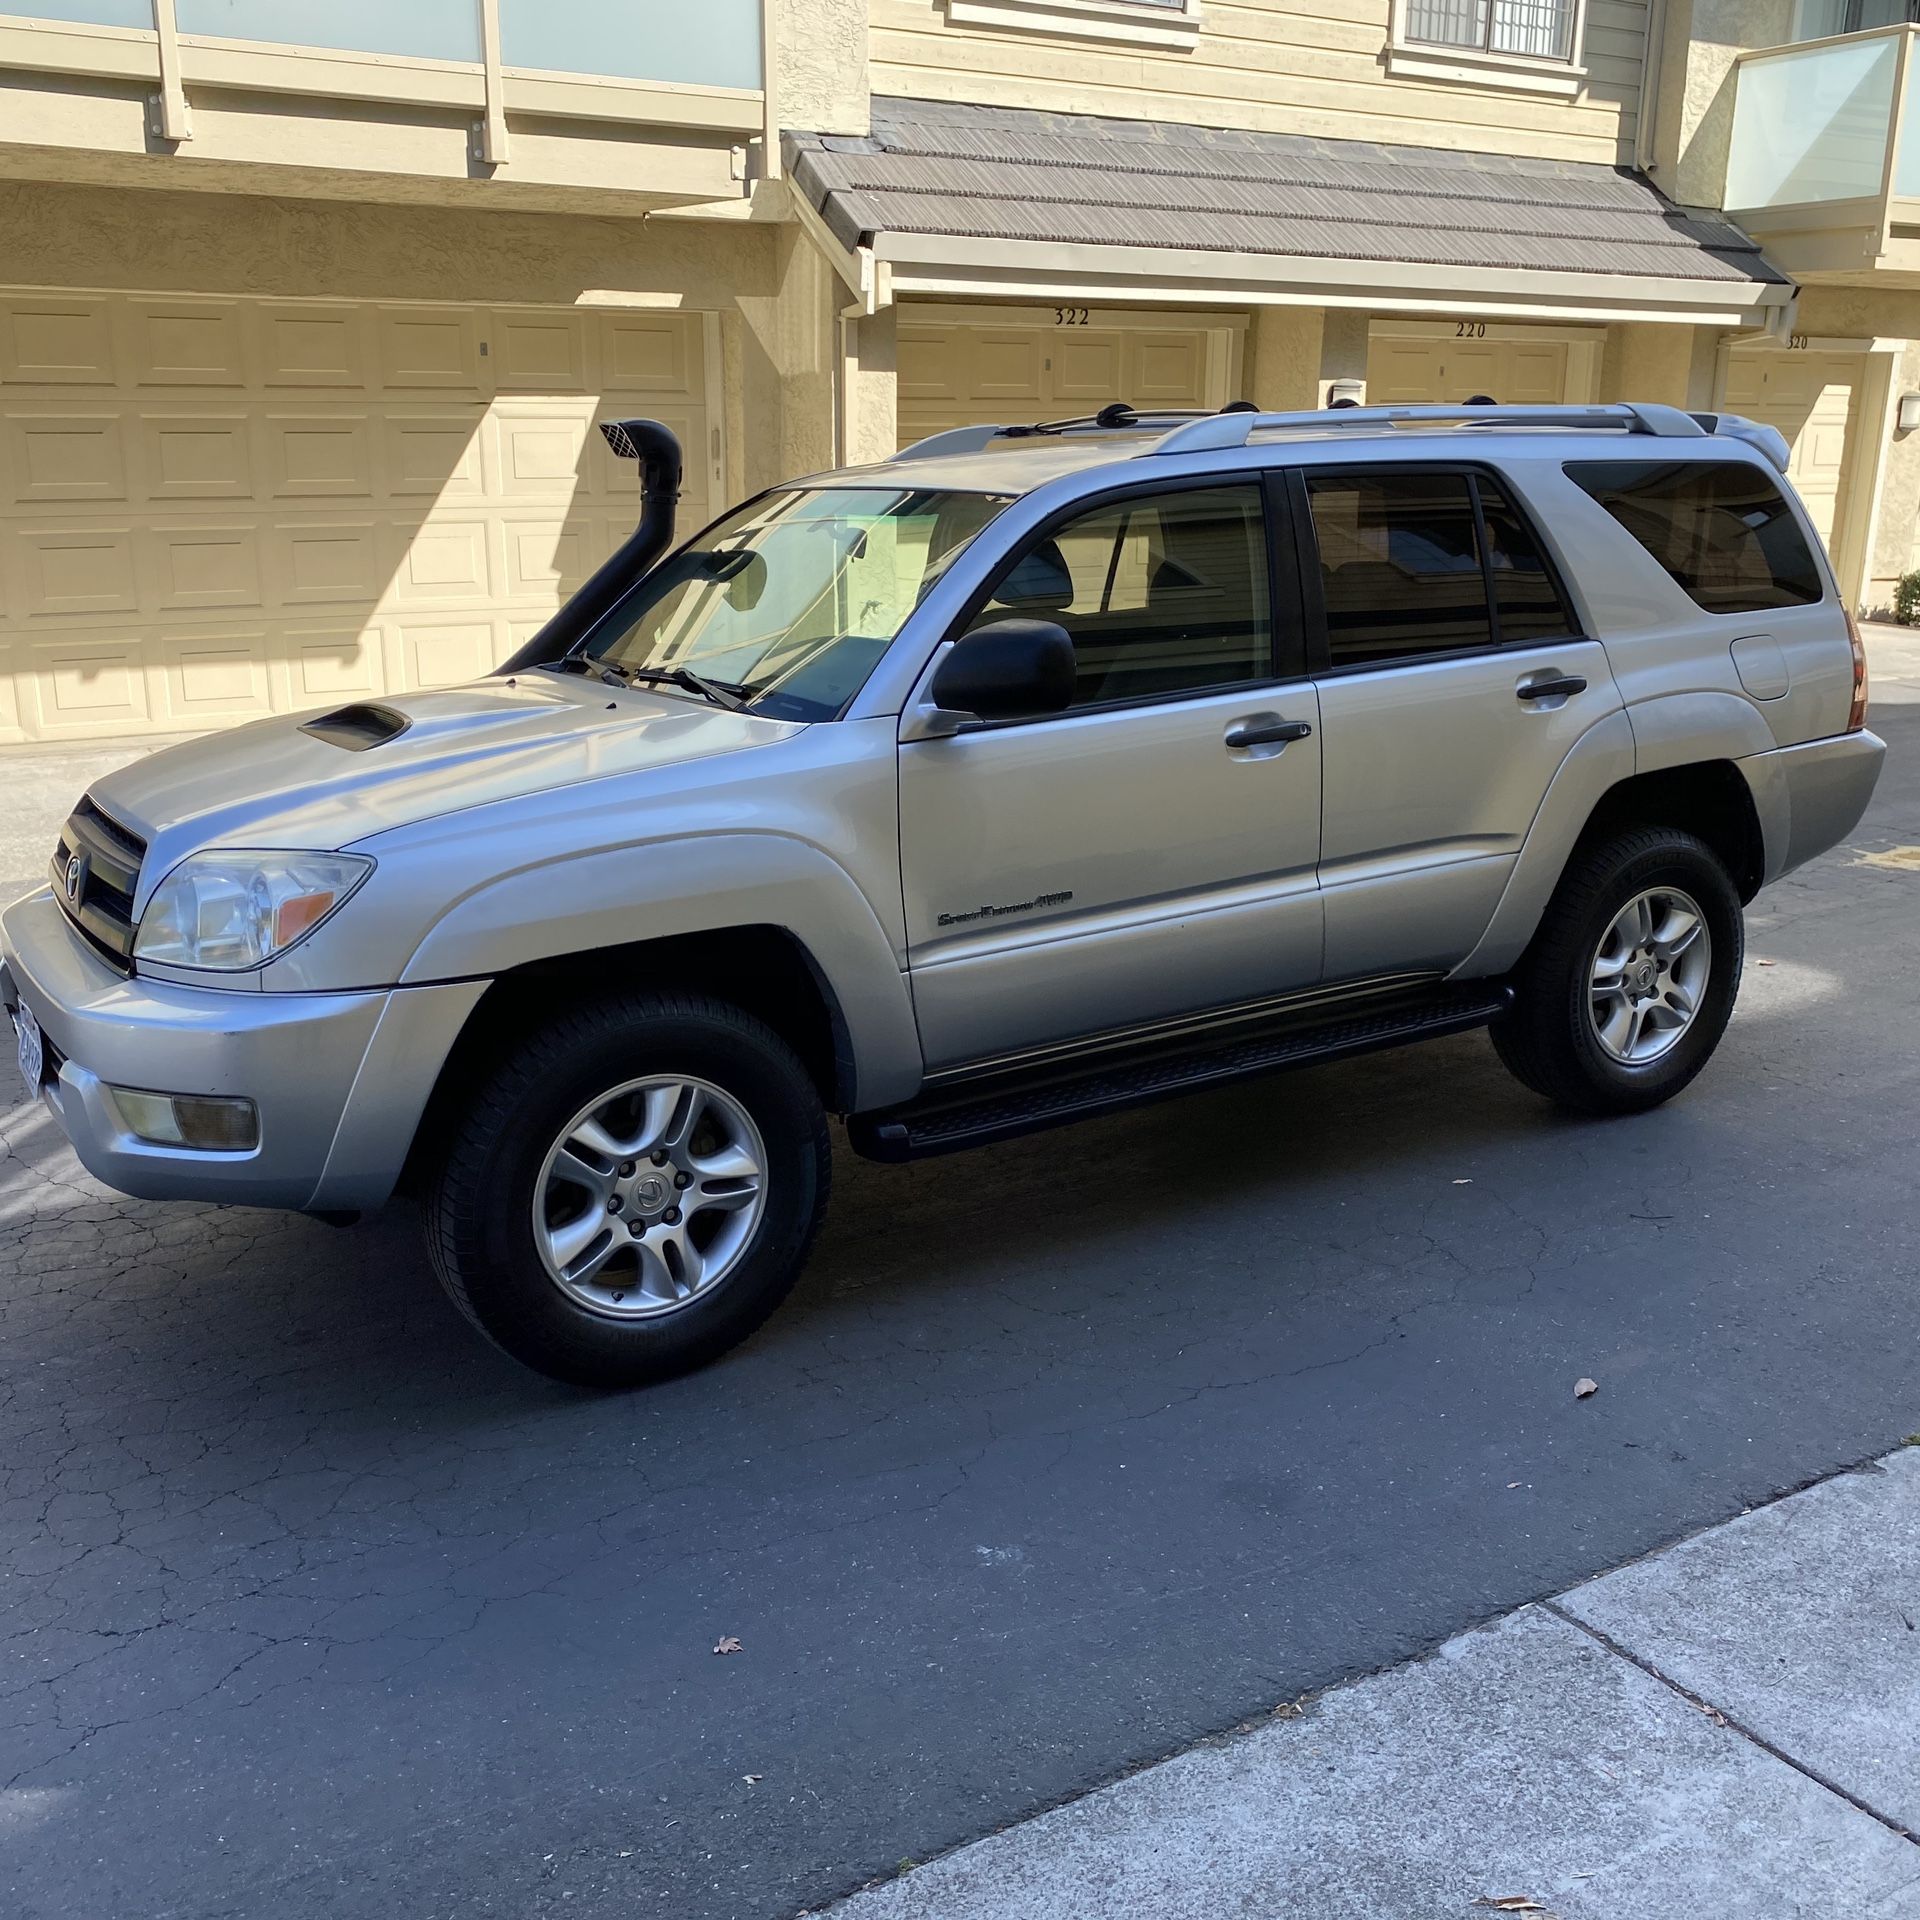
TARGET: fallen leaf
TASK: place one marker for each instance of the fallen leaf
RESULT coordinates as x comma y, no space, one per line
1584,1389
1510,1903
1511,1484
728,1645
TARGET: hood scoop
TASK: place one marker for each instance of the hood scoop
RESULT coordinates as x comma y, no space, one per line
358,727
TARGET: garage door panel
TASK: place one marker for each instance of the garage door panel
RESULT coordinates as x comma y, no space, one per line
313,344
1087,368
434,456
321,665
196,456
185,343
1515,371
72,571
1165,369
1811,398
214,678
226,507
66,343
56,457
187,567
319,562
82,686
436,348
319,455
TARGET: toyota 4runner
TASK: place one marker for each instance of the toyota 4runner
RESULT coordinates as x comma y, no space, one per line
1033,773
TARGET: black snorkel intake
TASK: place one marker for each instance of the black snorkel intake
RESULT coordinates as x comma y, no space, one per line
657,450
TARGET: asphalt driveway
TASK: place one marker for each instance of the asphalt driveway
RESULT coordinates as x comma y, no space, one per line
1065,1454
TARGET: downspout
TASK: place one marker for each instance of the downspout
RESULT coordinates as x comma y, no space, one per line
866,303
1646,119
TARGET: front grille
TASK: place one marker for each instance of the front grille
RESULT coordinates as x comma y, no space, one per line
96,871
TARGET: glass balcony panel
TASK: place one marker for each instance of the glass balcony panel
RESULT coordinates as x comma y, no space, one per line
1906,163
88,13
709,43
1812,124
421,29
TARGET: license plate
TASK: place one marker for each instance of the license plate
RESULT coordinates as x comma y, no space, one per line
33,1054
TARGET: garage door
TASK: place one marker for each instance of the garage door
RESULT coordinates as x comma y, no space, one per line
1052,363
1517,372
1812,398
216,509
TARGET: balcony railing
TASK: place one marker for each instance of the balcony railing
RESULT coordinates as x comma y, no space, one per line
699,66
1823,139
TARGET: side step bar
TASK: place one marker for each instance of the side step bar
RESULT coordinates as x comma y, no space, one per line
981,1115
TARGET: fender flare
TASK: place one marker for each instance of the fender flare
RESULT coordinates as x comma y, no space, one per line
704,883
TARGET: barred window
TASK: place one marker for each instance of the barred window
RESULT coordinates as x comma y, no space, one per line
1540,28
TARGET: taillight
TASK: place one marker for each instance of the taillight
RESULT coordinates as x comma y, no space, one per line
1857,713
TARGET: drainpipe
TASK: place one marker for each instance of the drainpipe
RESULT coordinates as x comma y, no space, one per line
1650,66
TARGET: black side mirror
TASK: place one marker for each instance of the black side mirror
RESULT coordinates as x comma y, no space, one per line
1008,670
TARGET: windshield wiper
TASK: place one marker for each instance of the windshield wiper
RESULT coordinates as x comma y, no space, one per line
720,692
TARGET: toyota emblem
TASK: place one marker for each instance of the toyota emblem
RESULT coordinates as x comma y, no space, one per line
76,872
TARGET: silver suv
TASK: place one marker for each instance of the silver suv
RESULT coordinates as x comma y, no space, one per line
1034,773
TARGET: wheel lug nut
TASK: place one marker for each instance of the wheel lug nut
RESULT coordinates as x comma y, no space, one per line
615,1204
626,1169
659,1156
636,1228
683,1179
671,1216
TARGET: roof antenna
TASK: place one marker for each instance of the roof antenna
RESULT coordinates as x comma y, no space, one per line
1239,406
1480,400
1116,413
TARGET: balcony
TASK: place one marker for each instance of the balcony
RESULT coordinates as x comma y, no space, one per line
575,102
1823,163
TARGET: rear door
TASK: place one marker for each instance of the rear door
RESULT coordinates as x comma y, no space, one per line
1452,685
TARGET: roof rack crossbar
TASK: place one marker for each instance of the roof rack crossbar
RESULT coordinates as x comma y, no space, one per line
973,439
1216,432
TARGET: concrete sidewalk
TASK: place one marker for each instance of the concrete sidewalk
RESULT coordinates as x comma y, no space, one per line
1728,1728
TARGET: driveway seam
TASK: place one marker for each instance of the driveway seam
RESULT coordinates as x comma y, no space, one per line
1721,1716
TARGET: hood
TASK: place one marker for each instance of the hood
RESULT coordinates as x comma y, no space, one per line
277,784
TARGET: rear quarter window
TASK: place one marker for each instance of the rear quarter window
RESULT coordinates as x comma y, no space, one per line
1721,529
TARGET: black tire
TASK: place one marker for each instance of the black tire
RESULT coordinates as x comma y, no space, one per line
480,1227
1548,1041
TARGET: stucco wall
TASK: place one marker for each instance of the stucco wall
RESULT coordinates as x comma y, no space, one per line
822,75
1694,114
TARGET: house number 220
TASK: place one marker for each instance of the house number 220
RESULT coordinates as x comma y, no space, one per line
1469,329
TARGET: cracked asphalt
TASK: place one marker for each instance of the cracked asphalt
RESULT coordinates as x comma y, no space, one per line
1064,1455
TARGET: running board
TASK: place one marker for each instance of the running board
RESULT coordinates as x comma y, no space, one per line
1012,1107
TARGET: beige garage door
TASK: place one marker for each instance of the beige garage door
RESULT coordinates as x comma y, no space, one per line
216,509
1813,399
1053,363
1516,371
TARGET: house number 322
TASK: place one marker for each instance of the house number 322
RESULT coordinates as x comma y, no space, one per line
1070,316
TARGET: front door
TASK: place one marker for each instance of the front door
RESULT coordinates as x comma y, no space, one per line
1453,687
1137,857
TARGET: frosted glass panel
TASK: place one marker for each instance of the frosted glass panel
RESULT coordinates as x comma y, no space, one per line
1906,165
92,13
425,29
706,43
1812,124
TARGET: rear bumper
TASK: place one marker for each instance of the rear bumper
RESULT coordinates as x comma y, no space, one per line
1810,797
340,1079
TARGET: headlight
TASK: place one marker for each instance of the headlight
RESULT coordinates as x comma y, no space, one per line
235,909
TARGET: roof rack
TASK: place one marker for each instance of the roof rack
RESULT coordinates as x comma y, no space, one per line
1116,418
1226,430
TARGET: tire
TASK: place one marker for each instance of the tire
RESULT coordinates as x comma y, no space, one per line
1552,1039
637,1067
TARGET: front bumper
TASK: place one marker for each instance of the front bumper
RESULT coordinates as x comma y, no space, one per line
340,1079
1810,797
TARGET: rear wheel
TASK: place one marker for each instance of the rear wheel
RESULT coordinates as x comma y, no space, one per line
631,1191
1631,979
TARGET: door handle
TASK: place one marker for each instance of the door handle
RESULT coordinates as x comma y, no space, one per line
1266,733
1555,686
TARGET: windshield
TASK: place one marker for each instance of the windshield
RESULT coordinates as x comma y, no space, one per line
789,602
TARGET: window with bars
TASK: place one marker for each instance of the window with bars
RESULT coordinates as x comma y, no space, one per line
1539,29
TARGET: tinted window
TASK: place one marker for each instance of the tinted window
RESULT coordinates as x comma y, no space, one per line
1162,594
1399,565
1723,530
1526,601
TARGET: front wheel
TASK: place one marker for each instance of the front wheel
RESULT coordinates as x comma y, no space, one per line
632,1190
1630,981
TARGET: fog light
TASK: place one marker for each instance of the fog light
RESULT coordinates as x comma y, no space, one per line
206,1122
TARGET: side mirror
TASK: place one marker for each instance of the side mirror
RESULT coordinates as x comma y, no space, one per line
1008,670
